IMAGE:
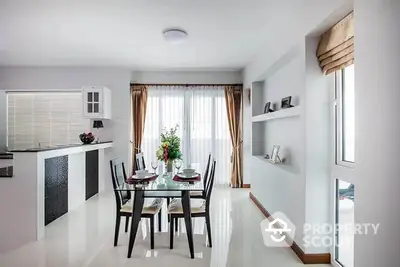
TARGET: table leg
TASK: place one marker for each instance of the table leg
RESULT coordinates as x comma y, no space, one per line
136,216
188,220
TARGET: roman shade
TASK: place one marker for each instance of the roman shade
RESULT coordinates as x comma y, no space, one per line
336,47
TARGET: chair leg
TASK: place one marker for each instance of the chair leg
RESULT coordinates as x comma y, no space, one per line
208,223
176,224
126,223
168,201
159,221
152,232
116,234
171,234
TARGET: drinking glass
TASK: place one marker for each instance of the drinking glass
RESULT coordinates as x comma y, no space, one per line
178,164
154,165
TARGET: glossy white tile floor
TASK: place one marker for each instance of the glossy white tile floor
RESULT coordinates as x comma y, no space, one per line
85,238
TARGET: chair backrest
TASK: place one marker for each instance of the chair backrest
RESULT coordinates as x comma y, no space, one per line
210,184
206,173
140,164
118,176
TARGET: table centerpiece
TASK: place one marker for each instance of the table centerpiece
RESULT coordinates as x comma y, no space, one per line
170,148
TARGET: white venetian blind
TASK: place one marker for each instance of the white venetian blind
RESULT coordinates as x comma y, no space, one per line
53,118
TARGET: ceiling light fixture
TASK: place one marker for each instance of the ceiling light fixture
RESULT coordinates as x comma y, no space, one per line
175,36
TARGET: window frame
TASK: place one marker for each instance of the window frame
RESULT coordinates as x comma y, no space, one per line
341,170
339,140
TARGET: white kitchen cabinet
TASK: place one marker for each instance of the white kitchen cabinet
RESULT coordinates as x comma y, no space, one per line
96,102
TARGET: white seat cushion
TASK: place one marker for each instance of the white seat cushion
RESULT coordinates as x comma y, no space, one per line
196,193
150,206
197,206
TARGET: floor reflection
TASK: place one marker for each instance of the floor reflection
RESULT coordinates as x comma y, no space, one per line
84,237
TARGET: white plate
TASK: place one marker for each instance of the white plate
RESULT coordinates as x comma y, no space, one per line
148,175
188,175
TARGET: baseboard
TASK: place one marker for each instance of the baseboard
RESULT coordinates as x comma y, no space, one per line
305,258
243,186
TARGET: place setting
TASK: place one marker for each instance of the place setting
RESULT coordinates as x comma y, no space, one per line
187,175
142,177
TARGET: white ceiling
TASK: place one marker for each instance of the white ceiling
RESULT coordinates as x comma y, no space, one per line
223,34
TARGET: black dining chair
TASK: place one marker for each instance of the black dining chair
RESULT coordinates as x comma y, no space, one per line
124,205
196,194
141,165
199,208
202,194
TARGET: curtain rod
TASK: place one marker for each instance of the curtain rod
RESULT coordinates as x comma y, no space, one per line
187,84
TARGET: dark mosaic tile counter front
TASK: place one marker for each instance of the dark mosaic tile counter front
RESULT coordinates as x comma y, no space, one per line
6,172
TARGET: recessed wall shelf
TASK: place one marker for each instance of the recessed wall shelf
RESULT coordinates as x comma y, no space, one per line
268,160
280,114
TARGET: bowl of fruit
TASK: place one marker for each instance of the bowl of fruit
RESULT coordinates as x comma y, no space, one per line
86,138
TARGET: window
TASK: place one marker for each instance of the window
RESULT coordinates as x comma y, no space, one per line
201,115
345,116
343,168
344,253
46,118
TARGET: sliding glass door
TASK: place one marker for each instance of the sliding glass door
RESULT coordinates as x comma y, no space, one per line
200,112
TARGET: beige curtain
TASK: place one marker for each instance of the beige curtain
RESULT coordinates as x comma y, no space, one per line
139,102
336,47
233,97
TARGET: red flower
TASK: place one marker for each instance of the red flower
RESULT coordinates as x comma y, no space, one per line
165,154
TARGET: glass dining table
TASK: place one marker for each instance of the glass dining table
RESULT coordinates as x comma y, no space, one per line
163,187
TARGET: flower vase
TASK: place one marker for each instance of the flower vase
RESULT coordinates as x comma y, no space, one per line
169,166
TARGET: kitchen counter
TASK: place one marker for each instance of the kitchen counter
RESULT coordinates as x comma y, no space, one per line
45,184
41,149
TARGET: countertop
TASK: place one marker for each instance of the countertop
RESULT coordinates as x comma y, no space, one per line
36,149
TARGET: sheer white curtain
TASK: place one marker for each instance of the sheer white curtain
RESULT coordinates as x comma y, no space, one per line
200,113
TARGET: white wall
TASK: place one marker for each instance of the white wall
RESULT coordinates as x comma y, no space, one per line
3,120
301,20
277,186
187,77
300,188
117,80
377,94
318,137
305,17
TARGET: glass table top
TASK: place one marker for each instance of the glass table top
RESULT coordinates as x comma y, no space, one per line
163,183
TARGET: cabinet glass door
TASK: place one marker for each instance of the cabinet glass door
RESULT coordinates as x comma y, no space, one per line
96,102
93,102
90,102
